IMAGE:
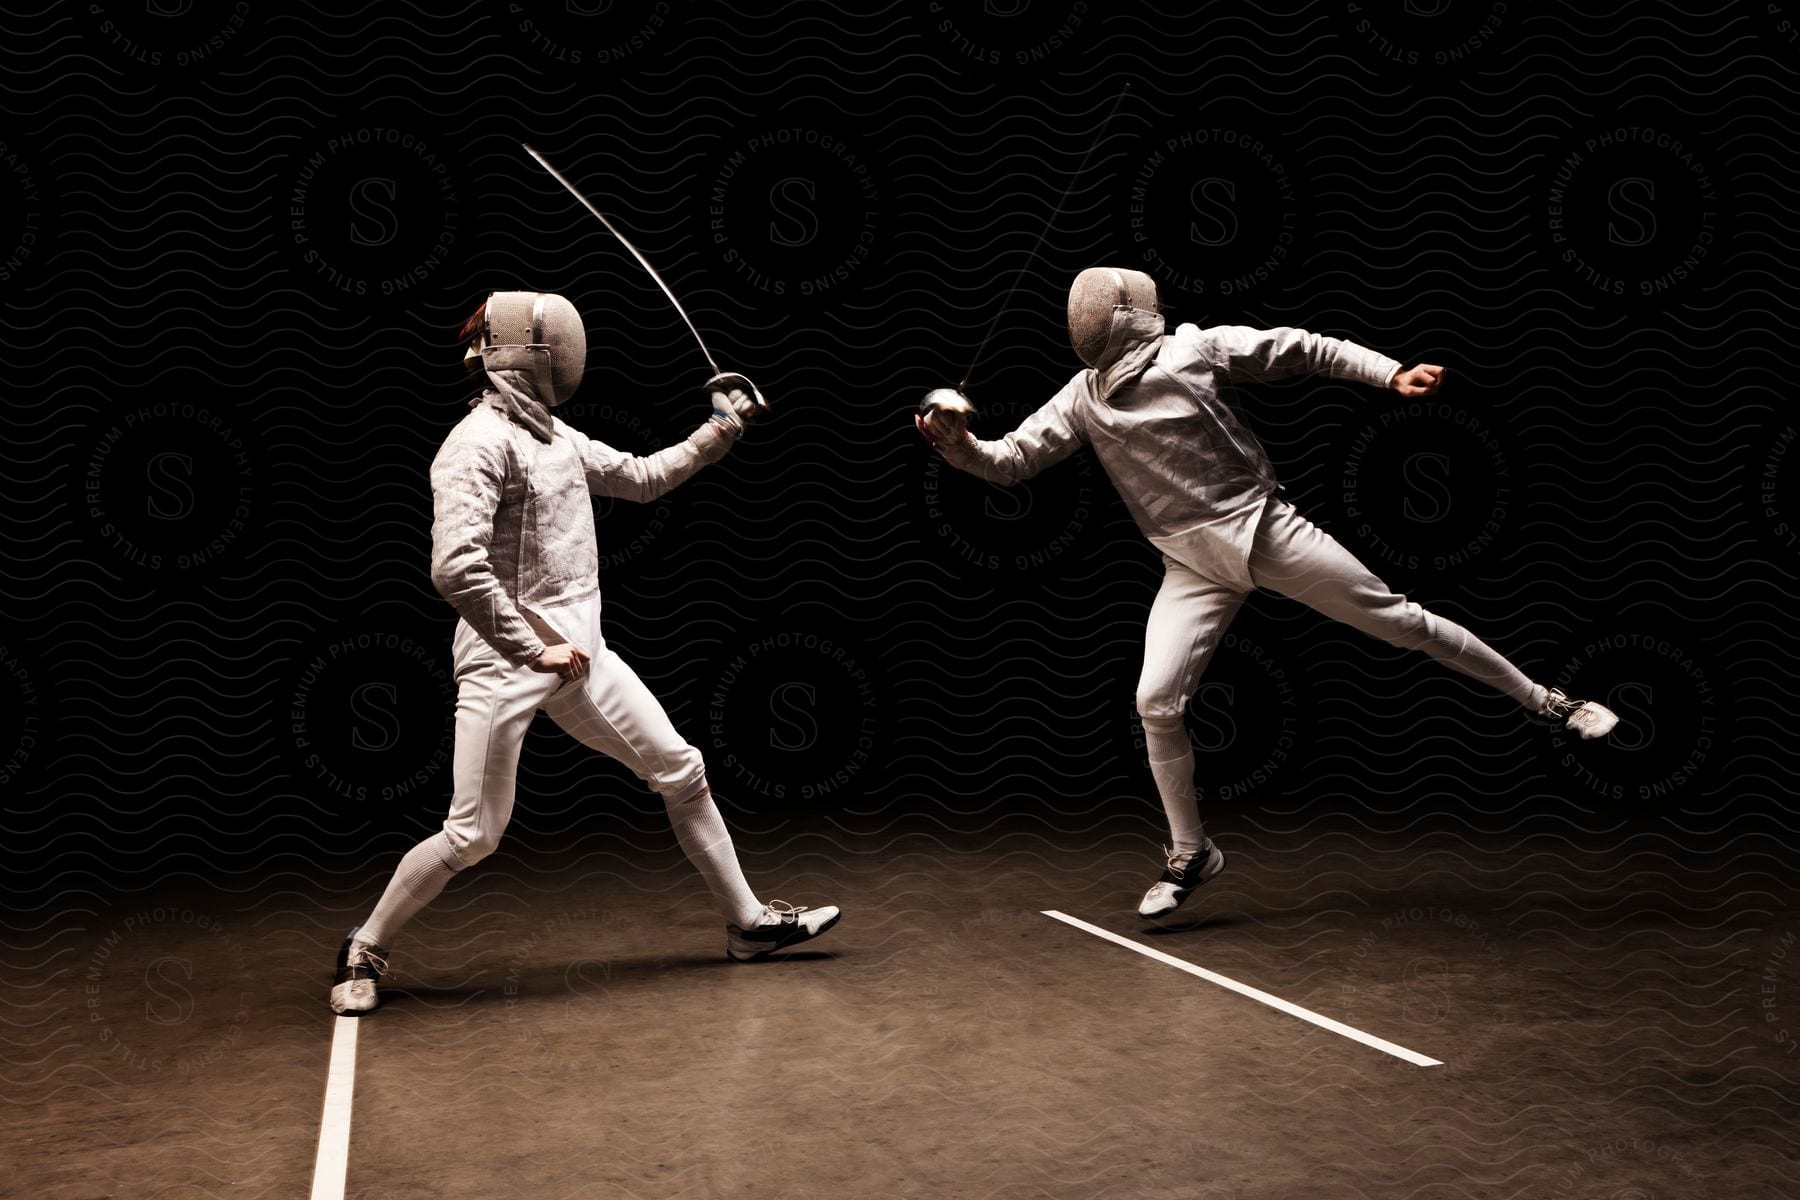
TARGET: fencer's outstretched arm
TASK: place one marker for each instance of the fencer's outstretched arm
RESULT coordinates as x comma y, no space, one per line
467,480
1043,439
644,477
1255,355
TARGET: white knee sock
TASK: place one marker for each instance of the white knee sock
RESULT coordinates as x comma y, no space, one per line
707,843
1172,766
418,879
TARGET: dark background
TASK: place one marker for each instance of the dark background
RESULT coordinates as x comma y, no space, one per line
240,243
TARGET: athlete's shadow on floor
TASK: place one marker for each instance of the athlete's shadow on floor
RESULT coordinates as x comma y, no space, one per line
1197,925
583,977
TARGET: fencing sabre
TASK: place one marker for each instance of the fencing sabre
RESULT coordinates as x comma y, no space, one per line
720,378
956,399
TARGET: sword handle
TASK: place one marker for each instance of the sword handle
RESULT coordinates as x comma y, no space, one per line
726,380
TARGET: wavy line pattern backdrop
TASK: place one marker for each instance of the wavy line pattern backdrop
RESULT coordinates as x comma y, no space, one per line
241,239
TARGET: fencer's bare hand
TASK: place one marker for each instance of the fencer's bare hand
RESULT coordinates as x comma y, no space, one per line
1421,380
733,408
941,427
570,662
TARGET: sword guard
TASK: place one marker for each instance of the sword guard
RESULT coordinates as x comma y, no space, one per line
726,380
948,399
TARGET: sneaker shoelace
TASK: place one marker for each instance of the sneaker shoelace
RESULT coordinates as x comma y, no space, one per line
785,913
363,955
1558,703
1179,863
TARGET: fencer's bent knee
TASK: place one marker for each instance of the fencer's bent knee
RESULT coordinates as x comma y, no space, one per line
1160,700
446,849
468,846
683,776
693,792
1158,719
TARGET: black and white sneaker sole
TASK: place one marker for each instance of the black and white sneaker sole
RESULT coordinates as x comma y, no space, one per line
1182,894
736,946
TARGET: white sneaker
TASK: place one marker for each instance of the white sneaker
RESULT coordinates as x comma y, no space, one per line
782,925
359,967
1586,717
1184,873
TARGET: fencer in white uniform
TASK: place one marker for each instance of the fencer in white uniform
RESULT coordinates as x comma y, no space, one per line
1200,486
513,550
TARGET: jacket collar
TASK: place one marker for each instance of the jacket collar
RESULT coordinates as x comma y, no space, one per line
510,394
1137,335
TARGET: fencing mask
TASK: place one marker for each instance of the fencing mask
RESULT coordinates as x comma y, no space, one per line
1098,300
536,333
1114,325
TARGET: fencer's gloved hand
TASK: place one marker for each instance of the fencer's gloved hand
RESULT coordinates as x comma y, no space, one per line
733,409
562,659
1421,380
943,427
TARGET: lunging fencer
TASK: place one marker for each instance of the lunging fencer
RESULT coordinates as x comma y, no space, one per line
513,551
1201,489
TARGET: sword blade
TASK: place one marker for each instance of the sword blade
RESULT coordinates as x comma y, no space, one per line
1039,245
626,242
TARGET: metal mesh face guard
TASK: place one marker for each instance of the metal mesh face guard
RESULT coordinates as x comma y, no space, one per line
1094,297
535,332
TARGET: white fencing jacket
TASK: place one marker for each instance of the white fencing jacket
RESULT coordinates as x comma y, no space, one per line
513,525
1182,458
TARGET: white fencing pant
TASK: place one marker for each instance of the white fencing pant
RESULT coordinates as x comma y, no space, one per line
1292,556
608,709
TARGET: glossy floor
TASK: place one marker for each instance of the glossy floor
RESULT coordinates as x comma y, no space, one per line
1608,1027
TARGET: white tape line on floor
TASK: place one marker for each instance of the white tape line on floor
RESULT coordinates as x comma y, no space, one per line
1261,997
334,1127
